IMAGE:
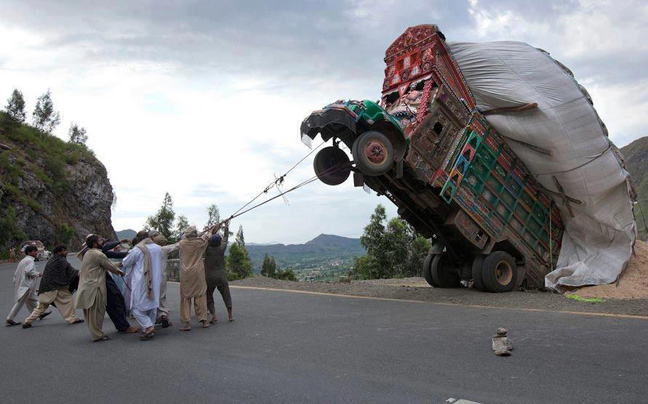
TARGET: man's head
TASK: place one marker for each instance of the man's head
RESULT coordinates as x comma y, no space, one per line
191,232
93,241
159,239
215,240
31,250
142,235
60,250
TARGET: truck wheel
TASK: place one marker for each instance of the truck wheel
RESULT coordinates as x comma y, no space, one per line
477,265
373,153
442,272
332,166
499,272
427,274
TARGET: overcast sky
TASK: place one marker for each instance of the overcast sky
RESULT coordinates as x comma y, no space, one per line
204,99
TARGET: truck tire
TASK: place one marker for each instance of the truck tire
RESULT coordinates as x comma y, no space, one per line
332,166
427,264
442,273
373,153
477,265
499,272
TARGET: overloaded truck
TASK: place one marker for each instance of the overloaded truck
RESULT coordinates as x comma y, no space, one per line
428,149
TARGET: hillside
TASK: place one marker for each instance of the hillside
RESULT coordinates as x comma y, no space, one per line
636,158
50,190
126,234
323,250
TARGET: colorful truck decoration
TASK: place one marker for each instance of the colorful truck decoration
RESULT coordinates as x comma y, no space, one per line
432,153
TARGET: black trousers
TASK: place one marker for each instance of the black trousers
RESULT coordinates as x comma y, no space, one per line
116,307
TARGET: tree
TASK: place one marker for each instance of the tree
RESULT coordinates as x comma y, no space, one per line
16,106
44,116
181,225
162,221
265,267
213,216
394,250
239,262
269,267
240,238
77,134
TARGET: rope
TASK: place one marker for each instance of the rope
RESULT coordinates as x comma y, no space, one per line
302,184
277,181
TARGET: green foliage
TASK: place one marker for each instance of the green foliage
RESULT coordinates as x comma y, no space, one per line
287,275
238,261
213,216
181,225
9,230
240,238
44,117
16,106
77,134
269,267
64,234
394,250
162,221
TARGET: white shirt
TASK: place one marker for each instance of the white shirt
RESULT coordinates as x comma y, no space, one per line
26,277
134,267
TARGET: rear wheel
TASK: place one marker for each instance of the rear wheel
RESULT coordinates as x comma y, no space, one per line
332,166
499,272
477,265
373,153
443,273
427,265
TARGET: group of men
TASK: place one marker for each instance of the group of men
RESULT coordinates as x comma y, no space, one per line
141,273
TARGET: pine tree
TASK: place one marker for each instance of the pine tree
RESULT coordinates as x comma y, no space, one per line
213,216
44,116
240,238
265,267
238,261
16,106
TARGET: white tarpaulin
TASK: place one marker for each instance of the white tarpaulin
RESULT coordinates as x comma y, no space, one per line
598,240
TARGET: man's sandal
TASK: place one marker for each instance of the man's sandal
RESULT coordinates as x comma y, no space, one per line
187,327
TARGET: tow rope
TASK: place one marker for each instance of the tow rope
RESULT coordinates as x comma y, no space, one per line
279,181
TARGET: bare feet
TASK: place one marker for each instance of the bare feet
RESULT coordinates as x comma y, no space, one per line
229,312
187,327
214,319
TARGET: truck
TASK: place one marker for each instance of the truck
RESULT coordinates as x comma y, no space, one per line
428,148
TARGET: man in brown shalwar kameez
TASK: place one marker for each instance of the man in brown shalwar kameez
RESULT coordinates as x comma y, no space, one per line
192,278
91,296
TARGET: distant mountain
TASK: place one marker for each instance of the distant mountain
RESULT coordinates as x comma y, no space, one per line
128,234
636,158
319,251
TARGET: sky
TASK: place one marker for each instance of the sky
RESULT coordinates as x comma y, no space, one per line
204,99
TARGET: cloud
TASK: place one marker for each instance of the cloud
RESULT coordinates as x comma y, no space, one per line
209,96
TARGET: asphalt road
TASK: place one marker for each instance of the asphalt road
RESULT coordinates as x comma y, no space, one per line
301,348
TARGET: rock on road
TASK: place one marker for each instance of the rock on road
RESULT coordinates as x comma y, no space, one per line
297,347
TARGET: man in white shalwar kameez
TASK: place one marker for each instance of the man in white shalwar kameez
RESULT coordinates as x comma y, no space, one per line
143,265
25,280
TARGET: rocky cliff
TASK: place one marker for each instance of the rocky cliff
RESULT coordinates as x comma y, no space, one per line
50,190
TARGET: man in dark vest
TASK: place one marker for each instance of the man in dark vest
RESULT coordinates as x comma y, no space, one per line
54,288
215,271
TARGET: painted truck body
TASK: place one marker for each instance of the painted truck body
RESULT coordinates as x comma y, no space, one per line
453,177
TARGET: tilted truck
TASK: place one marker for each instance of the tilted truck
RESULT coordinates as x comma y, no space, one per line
429,150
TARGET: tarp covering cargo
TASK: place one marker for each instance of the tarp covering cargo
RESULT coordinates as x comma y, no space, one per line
564,144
